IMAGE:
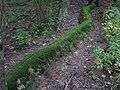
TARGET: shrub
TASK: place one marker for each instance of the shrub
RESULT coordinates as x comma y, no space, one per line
22,36
110,58
15,1
14,14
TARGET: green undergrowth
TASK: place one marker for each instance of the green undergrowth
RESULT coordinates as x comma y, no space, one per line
16,13
109,59
10,2
45,57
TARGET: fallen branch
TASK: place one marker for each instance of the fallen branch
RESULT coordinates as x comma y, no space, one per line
67,83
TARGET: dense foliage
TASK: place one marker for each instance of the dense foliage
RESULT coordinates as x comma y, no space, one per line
117,3
109,59
22,36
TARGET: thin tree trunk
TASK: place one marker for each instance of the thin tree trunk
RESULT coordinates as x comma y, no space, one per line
2,39
57,24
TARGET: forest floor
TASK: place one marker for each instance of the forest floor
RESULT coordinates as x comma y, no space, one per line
15,53
77,70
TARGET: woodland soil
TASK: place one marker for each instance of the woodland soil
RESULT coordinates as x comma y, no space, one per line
77,70
15,53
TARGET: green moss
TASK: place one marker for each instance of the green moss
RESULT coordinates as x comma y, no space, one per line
47,56
84,13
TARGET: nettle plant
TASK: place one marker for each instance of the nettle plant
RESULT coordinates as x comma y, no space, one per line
22,36
110,59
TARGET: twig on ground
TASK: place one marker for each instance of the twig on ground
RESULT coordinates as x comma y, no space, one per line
67,82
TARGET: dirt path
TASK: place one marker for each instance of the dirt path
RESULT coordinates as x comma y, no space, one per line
77,70
14,55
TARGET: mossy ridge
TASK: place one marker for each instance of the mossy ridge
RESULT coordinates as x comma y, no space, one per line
84,13
46,56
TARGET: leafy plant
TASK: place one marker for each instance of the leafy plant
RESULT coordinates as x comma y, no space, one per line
15,1
110,58
117,3
28,84
14,14
22,36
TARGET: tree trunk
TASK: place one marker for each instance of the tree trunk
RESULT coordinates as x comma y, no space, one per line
59,14
2,39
